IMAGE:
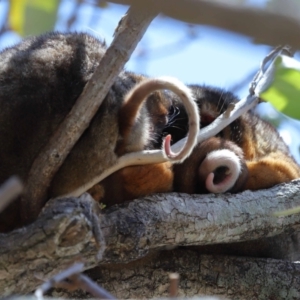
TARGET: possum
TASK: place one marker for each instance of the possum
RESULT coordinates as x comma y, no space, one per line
265,161
135,181
215,165
40,80
247,154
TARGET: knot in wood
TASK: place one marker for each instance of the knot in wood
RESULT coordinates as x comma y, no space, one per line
73,235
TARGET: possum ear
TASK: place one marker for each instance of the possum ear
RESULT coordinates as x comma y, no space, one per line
222,170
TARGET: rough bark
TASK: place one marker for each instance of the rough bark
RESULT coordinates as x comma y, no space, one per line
65,232
235,278
73,229
129,32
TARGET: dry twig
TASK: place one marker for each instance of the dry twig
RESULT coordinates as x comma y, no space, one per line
75,281
174,282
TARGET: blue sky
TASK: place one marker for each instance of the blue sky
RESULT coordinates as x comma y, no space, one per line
213,57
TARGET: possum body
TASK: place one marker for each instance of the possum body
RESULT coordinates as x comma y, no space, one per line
266,156
40,80
247,154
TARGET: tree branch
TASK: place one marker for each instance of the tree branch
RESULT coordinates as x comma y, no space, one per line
254,22
211,275
73,229
129,32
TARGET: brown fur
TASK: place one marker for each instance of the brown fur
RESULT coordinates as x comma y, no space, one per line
141,180
133,182
265,159
266,156
40,80
138,181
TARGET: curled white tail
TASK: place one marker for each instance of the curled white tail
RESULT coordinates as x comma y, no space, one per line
218,159
133,101
138,94
187,98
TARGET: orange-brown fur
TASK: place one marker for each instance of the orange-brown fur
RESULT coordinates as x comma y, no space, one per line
267,157
271,170
135,181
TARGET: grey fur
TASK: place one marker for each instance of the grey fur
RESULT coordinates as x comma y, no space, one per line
40,80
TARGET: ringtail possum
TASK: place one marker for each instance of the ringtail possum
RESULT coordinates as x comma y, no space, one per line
247,154
265,158
215,165
40,80
135,181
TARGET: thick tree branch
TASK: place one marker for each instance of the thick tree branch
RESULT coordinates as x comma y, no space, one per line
235,278
265,27
129,32
72,228
65,232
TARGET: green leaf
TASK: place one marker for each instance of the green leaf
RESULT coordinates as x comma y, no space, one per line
32,17
284,91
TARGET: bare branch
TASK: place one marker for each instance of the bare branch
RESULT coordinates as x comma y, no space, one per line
76,281
254,22
65,231
74,269
128,34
